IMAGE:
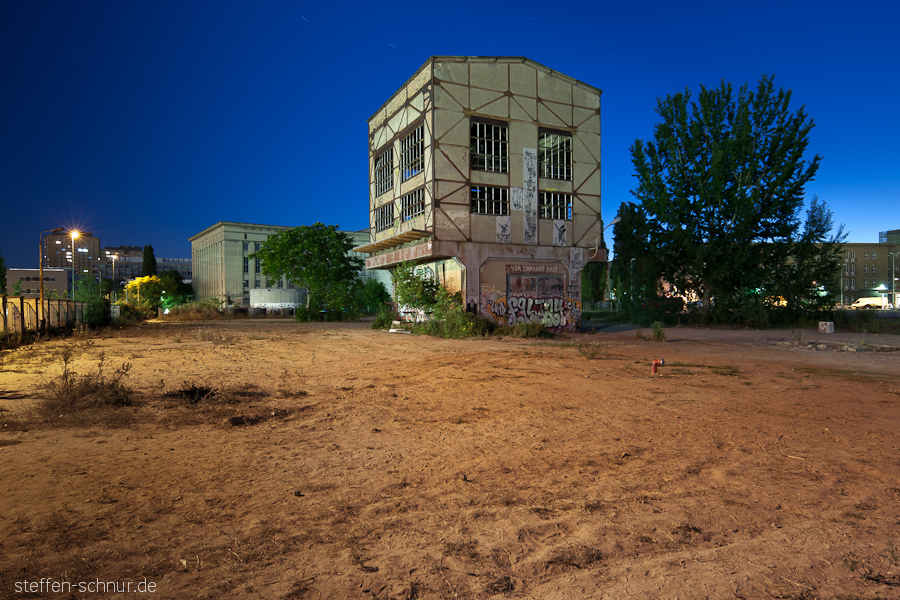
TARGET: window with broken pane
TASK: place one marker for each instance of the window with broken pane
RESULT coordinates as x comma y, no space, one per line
489,200
412,153
384,169
555,205
412,204
489,147
555,155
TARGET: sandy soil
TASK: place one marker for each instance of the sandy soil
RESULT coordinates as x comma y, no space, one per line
376,465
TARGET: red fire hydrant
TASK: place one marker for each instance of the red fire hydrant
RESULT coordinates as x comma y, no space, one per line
656,363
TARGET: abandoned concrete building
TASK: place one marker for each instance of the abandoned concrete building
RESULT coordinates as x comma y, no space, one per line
486,172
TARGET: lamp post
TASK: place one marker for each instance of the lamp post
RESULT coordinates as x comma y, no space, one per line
882,288
115,287
74,235
41,263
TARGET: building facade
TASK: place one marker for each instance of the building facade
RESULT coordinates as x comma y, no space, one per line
871,270
58,251
57,282
223,269
486,172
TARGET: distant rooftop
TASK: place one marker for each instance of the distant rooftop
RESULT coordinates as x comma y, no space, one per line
889,237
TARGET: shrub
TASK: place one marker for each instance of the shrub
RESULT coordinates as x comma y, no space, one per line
204,310
659,332
385,318
71,392
590,350
524,330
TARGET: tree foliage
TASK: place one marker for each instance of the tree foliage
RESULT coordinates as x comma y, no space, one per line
372,296
96,308
316,257
634,272
722,187
145,292
149,265
414,287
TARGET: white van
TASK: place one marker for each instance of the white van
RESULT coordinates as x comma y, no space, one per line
871,302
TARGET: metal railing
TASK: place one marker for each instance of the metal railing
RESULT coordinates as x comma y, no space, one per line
21,314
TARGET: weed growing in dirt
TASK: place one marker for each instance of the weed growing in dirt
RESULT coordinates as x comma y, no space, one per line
590,350
524,330
71,392
729,370
883,568
659,332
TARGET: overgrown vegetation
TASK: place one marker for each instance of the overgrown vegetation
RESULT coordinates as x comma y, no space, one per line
98,389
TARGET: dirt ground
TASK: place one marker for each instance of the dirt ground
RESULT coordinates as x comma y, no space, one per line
353,463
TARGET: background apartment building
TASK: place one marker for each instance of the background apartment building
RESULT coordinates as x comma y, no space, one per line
872,270
223,269
57,282
60,251
486,171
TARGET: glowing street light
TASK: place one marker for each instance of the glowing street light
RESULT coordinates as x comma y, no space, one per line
74,235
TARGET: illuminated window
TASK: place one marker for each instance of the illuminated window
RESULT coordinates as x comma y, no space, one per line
555,205
384,172
412,153
555,155
489,146
487,200
384,217
412,204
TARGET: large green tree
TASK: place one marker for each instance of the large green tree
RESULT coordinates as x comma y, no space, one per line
148,267
722,184
634,270
316,257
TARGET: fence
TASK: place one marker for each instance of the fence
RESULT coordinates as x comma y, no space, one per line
24,314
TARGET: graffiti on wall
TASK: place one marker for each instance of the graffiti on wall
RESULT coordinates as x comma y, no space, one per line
535,293
530,200
555,312
504,227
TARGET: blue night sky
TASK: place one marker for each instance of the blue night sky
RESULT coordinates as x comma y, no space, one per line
147,122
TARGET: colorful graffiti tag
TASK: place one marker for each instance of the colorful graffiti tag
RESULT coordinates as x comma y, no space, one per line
556,313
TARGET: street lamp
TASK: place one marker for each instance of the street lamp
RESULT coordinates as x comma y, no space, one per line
74,235
41,263
882,288
115,287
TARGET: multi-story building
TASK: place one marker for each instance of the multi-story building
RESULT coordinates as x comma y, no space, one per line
223,269
872,270
127,262
58,251
486,172
121,263
184,267
57,282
